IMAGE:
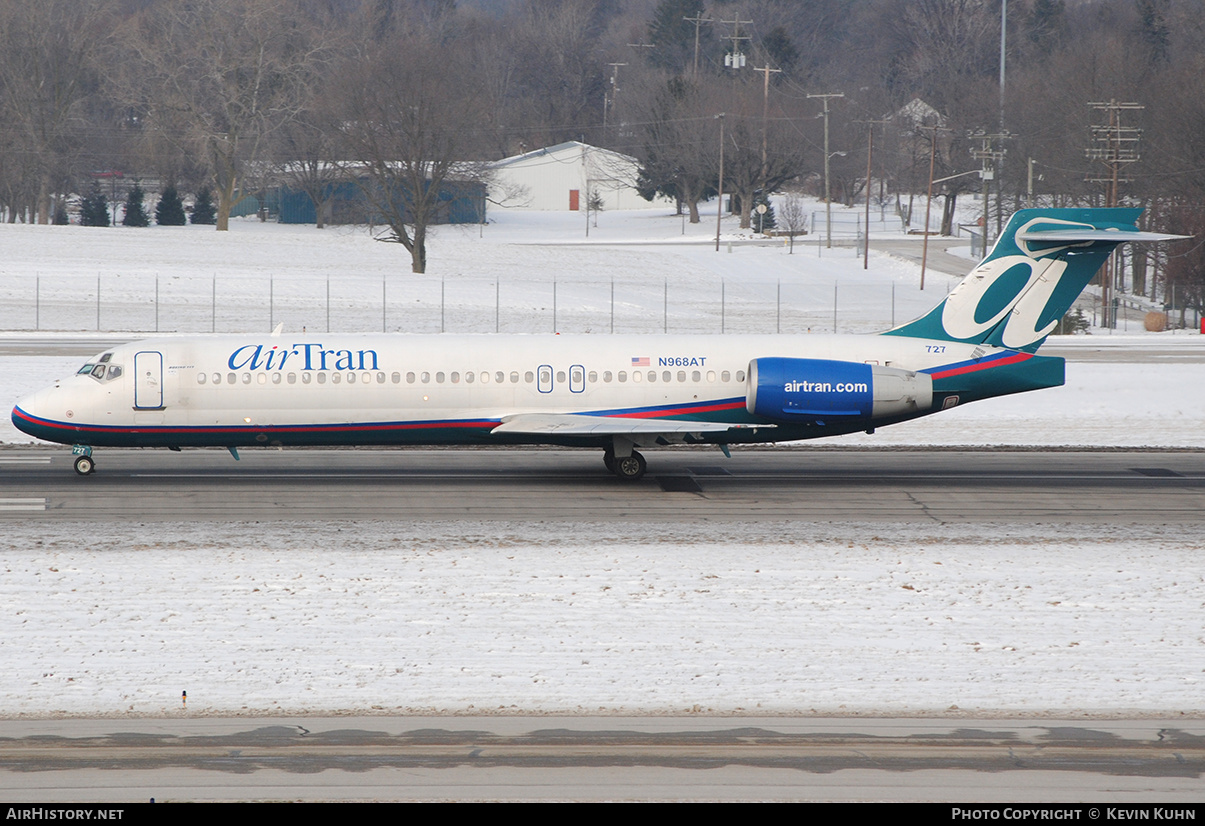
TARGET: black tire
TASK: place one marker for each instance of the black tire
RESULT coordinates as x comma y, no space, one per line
84,465
630,468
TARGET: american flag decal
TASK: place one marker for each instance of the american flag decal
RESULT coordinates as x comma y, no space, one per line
640,362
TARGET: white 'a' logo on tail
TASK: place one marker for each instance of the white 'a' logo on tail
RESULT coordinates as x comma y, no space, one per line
1018,284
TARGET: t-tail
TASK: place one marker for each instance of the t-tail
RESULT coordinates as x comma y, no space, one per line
1038,267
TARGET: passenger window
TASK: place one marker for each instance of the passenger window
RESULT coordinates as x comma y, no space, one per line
485,377
305,378
439,378
322,378
653,375
636,376
666,376
262,378
711,376
231,378
335,378
468,378
529,377
351,378
455,377
246,378
606,376
292,378
514,377
593,377
410,377
681,375
560,376
200,378
426,378
381,378
740,375
217,378
501,377
623,376
696,376
725,376
276,378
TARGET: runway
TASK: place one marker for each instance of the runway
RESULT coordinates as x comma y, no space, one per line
600,758
892,486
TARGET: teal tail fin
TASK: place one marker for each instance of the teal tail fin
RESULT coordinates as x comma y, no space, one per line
1040,264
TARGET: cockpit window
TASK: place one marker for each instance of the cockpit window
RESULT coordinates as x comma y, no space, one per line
105,358
99,371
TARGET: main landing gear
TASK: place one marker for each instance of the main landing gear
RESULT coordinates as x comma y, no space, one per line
628,468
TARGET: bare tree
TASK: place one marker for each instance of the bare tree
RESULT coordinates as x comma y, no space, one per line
234,70
409,127
793,218
47,51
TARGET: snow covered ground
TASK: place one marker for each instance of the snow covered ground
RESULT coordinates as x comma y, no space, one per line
98,617
613,618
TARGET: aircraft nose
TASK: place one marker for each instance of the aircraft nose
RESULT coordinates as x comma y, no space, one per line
28,411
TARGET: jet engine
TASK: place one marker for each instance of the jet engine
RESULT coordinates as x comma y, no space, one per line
822,392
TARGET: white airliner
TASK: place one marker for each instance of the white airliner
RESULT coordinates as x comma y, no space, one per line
615,392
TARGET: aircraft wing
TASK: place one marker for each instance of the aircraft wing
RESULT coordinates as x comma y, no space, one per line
571,424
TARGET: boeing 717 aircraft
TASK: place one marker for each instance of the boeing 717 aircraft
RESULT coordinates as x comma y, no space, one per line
614,393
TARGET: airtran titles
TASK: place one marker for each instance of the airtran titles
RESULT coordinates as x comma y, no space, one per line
307,356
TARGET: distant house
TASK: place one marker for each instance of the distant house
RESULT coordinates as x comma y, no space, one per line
562,177
462,201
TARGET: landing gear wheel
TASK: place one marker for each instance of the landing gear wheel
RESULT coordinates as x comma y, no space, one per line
84,465
609,459
630,468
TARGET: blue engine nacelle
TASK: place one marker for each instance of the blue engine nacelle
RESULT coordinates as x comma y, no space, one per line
830,392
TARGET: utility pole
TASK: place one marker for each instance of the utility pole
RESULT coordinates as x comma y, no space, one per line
765,116
736,58
990,157
828,206
1117,146
614,91
869,156
698,20
719,210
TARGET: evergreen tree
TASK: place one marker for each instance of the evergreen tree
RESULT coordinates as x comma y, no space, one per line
135,212
203,211
765,221
60,216
170,210
94,209
674,36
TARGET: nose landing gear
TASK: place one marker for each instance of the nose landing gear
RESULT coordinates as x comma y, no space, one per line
84,463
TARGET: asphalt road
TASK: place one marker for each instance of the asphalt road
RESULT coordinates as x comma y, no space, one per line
892,486
584,758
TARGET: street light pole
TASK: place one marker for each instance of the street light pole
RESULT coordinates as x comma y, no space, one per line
828,207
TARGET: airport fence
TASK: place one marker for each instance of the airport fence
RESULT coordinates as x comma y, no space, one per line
140,304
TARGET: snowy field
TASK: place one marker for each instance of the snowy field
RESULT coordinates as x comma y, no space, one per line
615,618
104,618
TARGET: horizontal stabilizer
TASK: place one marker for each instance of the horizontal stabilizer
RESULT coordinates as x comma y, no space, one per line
1115,235
581,425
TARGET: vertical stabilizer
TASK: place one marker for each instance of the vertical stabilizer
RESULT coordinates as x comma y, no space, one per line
1038,267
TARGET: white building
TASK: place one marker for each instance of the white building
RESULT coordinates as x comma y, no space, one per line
564,176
